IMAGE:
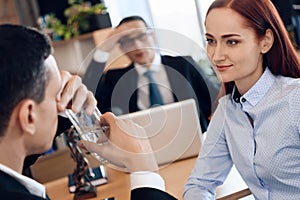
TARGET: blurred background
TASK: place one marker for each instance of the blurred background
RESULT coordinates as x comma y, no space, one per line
66,22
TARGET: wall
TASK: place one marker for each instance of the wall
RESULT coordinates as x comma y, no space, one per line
8,12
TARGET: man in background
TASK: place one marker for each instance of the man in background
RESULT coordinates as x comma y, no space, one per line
127,90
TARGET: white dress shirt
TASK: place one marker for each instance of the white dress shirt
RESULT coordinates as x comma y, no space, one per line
161,79
33,186
146,179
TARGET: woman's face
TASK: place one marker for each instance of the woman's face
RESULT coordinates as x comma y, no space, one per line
233,48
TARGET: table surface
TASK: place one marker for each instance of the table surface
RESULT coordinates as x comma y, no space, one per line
118,186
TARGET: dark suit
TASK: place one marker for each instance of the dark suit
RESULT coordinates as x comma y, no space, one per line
117,88
150,194
10,188
92,75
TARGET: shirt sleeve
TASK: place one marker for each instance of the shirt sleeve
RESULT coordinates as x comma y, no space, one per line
146,179
213,164
101,56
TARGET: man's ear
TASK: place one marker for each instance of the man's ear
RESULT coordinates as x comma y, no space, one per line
27,116
267,42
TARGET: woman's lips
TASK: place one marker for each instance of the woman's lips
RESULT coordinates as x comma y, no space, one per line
223,67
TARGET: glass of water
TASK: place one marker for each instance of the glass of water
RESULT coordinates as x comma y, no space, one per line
88,127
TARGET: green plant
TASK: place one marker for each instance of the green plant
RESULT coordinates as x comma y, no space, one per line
61,30
77,18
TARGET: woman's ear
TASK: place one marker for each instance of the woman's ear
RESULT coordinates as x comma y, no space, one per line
27,116
267,41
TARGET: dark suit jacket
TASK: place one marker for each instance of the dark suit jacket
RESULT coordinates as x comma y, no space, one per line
92,75
150,194
10,188
117,88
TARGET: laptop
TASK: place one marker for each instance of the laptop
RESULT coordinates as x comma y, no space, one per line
173,130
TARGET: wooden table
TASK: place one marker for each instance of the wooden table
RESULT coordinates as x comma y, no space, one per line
175,176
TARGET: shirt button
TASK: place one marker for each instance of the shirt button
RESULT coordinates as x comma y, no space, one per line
243,100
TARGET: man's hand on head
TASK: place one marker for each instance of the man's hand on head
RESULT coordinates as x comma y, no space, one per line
113,38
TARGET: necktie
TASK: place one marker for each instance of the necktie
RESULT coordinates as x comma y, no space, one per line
154,94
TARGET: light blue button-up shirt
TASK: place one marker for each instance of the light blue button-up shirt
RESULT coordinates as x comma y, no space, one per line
267,154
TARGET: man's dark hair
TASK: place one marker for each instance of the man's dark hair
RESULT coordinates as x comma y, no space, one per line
132,18
23,51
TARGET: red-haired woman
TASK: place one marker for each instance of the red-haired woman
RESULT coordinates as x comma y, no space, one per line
256,126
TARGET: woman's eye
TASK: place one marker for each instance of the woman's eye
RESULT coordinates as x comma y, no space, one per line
232,42
209,41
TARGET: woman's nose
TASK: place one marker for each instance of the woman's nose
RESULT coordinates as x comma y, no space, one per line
218,53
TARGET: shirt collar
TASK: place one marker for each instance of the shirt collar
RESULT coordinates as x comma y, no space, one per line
155,65
258,90
33,186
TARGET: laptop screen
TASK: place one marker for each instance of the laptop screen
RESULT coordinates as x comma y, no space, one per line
173,130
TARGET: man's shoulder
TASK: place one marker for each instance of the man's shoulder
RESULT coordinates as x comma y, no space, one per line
150,194
6,178
10,188
119,71
177,58
11,194
183,64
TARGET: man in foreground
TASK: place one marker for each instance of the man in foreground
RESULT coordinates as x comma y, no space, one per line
33,92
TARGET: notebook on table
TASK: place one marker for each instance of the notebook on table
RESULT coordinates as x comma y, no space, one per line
173,130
